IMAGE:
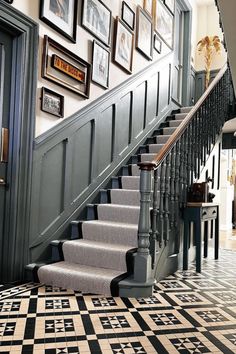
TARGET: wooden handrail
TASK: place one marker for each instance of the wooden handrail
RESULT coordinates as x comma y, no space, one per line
182,127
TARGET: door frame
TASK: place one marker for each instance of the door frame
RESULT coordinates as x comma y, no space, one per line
187,9
21,127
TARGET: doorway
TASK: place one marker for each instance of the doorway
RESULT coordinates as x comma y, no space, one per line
182,53
18,72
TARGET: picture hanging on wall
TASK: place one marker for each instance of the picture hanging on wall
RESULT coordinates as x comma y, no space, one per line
124,46
144,33
148,6
128,15
101,61
64,68
61,15
171,5
96,18
52,102
164,23
157,43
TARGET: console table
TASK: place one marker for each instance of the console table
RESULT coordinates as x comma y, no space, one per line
198,213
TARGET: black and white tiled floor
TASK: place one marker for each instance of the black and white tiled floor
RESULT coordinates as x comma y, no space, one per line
188,313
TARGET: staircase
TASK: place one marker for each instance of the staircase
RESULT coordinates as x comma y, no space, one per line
132,237
101,250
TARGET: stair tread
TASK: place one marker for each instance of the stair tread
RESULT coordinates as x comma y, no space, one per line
128,207
78,277
98,244
111,223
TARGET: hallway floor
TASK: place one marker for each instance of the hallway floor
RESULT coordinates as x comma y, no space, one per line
188,313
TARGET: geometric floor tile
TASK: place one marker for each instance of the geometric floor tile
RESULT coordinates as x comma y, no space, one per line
188,312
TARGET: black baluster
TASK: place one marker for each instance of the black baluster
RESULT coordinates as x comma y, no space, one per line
166,200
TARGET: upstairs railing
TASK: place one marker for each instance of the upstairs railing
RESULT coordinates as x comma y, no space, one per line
174,169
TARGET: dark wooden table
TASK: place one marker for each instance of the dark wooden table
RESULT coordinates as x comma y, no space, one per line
198,213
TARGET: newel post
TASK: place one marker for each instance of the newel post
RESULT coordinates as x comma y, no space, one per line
143,261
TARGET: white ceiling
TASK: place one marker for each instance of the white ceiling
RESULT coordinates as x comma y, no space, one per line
205,2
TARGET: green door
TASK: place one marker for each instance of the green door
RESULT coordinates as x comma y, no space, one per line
5,149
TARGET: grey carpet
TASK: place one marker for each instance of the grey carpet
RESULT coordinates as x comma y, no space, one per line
91,263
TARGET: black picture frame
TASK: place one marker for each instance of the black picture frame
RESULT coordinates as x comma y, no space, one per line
65,68
164,23
124,46
128,15
101,16
52,102
157,43
170,4
100,64
144,41
64,21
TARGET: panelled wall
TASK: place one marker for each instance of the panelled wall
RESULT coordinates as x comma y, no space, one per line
74,160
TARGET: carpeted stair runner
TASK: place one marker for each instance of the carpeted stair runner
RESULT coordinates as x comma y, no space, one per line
102,254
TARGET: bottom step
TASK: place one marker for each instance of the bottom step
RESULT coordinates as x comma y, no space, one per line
83,278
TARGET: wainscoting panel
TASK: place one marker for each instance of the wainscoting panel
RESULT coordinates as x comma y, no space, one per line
76,158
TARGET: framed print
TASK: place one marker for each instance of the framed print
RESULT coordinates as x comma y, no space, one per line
164,23
124,46
64,68
52,102
61,15
101,61
148,6
96,18
144,33
157,43
171,5
128,15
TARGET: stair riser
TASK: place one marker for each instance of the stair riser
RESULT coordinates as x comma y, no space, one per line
116,235
119,214
95,257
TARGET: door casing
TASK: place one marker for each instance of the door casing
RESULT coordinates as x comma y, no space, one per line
22,122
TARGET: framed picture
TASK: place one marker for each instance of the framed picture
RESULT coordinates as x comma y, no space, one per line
157,43
171,5
101,61
128,15
52,102
144,33
60,15
124,46
64,68
148,6
164,23
96,18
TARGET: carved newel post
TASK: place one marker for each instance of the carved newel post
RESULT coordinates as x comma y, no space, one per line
143,261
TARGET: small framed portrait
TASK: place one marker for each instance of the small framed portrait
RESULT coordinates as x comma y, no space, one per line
164,23
96,18
128,15
61,15
157,43
171,5
52,102
144,33
124,46
101,61
148,6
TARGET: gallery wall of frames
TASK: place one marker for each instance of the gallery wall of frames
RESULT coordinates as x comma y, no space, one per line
142,29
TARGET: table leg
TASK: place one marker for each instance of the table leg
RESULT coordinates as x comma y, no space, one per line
198,234
217,235
205,239
186,245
